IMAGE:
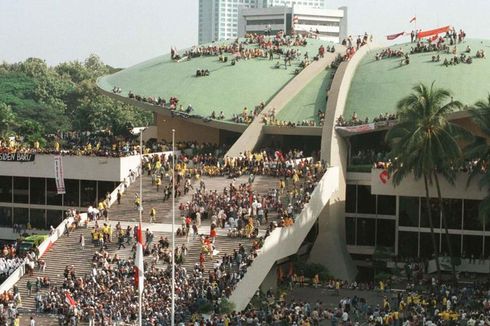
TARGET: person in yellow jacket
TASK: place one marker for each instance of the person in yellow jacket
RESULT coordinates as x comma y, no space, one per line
56,146
158,182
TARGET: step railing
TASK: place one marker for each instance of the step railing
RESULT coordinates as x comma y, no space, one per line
285,241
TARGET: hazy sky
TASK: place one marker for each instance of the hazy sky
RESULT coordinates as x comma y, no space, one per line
125,32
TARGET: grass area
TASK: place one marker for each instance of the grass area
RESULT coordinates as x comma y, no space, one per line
378,85
311,99
228,88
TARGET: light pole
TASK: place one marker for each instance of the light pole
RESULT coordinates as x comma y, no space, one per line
173,231
139,131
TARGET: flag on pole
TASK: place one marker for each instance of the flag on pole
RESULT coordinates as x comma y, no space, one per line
69,299
394,36
414,18
138,263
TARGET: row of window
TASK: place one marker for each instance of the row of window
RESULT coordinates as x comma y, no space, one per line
265,22
370,232
42,191
37,218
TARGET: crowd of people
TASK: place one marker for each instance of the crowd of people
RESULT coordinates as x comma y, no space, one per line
356,121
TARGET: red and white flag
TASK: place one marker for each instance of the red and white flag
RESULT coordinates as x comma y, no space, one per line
69,299
139,275
394,36
414,18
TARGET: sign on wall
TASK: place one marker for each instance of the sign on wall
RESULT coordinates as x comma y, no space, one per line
58,174
17,157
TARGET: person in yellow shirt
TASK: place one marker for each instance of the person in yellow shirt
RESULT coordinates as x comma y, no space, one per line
158,183
36,145
56,146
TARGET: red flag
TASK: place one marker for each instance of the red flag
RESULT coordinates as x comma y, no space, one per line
69,299
394,36
431,32
414,18
139,275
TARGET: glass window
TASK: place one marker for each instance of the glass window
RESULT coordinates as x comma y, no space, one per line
453,212
426,247
455,240
71,198
38,191
21,190
88,193
408,244
350,230
386,205
409,211
385,233
5,216
471,219
38,218
366,203
21,216
52,197
350,199
365,231
104,188
472,245
54,217
424,214
487,247
6,189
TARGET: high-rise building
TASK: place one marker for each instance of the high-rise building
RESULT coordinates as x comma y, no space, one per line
218,19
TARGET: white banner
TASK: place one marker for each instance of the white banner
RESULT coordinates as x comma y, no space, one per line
58,174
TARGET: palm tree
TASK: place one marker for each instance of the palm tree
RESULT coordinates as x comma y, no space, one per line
424,144
479,152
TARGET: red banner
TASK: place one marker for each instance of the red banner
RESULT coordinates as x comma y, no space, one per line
432,32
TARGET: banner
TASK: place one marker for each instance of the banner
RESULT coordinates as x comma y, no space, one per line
58,174
432,32
17,157
394,36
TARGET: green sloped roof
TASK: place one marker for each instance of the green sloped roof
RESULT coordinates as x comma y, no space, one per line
377,86
311,99
228,88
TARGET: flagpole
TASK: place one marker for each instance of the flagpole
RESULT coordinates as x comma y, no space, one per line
173,223
140,209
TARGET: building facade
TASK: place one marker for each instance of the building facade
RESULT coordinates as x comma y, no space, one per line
327,24
220,19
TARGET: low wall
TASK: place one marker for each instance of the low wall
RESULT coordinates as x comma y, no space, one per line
284,242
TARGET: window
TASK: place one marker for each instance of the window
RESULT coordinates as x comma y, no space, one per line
21,216
365,232
38,218
472,245
385,233
424,214
52,193
71,198
5,216
38,191
455,240
408,244
453,212
350,230
88,193
471,219
350,199
54,217
21,190
104,188
5,189
426,244
386,205
366,203
409,211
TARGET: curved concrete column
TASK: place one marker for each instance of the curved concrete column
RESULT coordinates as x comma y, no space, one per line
330,247
253,134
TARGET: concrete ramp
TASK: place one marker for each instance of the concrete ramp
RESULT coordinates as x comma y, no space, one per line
284,242
253,134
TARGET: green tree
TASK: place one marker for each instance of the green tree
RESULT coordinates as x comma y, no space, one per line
424,144
479,153
7,119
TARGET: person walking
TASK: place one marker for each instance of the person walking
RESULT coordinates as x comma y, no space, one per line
119,196
29,287
120,240
153,214
32,322
82,241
